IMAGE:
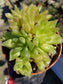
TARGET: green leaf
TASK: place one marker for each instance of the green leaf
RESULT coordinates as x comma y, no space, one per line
30,44
40,65
16,32
34,53
36,40
8,35
10,43
23,33
14,53
25,54
22,40
47,27
23,67
15,14
48,48
12,23
45,57
55,39
38,59
29,36
17,9
8,15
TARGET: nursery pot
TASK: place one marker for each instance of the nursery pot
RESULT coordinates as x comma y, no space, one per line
36,78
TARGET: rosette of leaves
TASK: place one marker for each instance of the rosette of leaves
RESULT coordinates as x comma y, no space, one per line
30,37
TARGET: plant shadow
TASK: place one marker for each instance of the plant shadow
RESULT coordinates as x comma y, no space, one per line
2,62
6,71
5,10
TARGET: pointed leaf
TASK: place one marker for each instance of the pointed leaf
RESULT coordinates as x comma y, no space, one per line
22,40
8,15
25,54
48,48
14,53
30,44
8,35
10,43
24,67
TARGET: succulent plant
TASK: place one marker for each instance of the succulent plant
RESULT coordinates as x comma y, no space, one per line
31,37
